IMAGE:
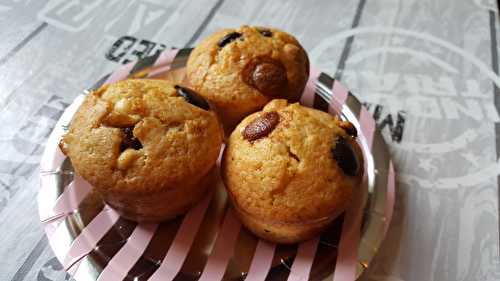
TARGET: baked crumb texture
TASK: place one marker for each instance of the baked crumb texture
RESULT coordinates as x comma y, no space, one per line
291,181
240,70
147,146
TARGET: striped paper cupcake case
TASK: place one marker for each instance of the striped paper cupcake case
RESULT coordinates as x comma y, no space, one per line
208,243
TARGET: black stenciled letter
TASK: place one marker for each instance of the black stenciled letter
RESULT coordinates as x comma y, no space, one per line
395,129
120,48
139,52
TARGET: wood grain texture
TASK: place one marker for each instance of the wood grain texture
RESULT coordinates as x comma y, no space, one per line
424,68
446,202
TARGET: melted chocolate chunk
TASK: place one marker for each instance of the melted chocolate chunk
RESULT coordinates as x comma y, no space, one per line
261,126
343,153
130,141
192,97
266,32
228,38
266,75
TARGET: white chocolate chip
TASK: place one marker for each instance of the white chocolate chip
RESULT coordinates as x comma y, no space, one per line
122,106
121,114
121,120
127,157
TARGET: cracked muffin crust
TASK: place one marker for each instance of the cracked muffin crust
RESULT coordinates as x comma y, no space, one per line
147,146
240,70
290,170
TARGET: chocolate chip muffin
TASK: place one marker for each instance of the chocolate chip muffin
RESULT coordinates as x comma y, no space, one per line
240,70
290,170
147,146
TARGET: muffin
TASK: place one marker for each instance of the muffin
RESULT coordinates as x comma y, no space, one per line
149,147
240,70
291,170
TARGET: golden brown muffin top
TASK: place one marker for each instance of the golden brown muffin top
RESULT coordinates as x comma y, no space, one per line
142,136
292,163
241,69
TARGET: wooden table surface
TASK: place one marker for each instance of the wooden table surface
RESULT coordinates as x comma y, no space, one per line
427,70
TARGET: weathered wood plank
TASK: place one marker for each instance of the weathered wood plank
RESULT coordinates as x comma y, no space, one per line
309,21
18,20
427,64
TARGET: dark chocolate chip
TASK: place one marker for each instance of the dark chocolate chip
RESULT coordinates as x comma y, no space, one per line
192,97
349,128
343,153
129,141
228,38
266,32
269,77
261,126
265,230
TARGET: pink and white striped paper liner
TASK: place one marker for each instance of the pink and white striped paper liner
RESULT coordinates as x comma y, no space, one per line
90,235
218,259
339,95
261,261
308,94
52,159
302,264
391,196
223,248
72,196
120,73
163,63
176,255
127,256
